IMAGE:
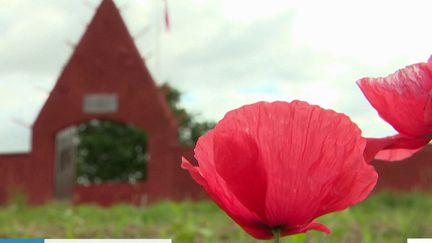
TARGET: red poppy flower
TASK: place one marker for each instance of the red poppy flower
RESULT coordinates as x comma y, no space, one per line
403,99
278,166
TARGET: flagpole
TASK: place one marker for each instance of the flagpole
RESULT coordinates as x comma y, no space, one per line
158,45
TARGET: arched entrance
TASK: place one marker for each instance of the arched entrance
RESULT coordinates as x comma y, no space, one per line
99,151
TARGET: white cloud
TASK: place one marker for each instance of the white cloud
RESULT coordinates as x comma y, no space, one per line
372,32
248,11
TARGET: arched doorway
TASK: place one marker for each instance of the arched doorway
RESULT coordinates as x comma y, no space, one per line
99,151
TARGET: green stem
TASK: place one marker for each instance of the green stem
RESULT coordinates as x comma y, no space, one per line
276,235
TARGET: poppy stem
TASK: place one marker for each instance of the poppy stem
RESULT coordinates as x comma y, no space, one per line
276,235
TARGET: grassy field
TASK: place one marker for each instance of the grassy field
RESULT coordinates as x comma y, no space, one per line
381,218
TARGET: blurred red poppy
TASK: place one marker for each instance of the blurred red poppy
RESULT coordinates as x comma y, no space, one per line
403,99
278,166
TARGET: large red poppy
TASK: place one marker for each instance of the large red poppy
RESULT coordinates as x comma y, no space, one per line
403,99
278,166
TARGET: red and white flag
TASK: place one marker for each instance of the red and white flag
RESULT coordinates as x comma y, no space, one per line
166,16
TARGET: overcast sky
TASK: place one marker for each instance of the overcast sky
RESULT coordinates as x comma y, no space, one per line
220,53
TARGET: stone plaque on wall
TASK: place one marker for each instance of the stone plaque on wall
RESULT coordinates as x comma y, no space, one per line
100,103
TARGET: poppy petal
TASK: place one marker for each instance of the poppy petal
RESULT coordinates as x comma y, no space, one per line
312,158
375,145
396,154
400,98
393,148
315,159
239,165
428,110
311,226
217,189
318,226
229,204
193,172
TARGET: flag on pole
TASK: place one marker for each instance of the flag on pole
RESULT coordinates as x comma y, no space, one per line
166,16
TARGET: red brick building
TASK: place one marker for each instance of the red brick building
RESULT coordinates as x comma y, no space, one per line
105,79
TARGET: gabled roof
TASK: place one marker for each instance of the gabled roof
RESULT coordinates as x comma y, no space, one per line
107,47
106,61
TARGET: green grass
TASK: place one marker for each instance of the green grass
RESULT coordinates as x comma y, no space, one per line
381,218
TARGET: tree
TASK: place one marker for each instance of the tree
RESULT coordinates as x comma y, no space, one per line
111,151
190,129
